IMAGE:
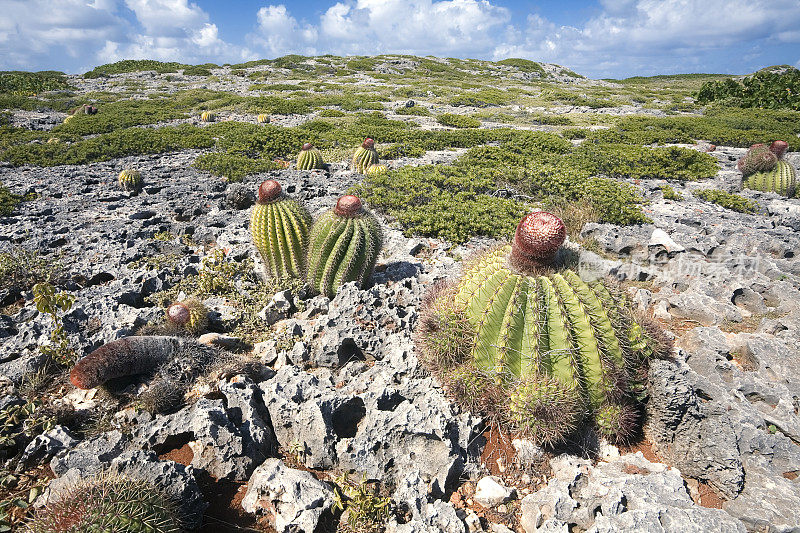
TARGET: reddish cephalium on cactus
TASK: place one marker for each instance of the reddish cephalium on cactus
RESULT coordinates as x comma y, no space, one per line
538,237
554,350
365,156
309,158
190,315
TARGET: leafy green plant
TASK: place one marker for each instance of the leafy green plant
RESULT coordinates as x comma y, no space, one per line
416,110
637,162
16,505
367,511
458,121
55,304
32,83
771,88
727,200
8,201
21,422
21,269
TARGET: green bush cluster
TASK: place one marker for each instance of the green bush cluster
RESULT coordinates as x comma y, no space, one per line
458,121
233,166
670,193
771,88
481,98
524,65
727,200
29,83
397,150
140,65
638,162
122,114
8,201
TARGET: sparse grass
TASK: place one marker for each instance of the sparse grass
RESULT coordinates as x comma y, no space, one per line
670,193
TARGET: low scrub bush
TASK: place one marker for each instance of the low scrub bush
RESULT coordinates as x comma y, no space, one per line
233,166
458,121
417,110
637,162
772,88
727,200
30,83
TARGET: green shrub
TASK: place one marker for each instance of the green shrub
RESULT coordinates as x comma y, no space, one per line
233,166
197,70
551,120
397,150
767,88
122,114
637,162
416,110
30,83
140,65
727,200
670,193
525,65
457,121
575,133
8,201
482,98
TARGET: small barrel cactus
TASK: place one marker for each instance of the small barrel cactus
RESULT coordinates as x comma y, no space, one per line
280,229
189,315
764,169
377,170
108,502
208,116
68,118
561,350
344,246
263,118
130,179
365,156
309,158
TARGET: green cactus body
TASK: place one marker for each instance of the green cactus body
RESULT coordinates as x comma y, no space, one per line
531,328
263,118
365,156
190,315
108,503
280,229
130,179
559,350
208,116
344,246
309,158
377,170
782,179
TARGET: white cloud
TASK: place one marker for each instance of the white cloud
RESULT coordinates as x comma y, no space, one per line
278,33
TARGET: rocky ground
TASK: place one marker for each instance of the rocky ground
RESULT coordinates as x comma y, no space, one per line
346,393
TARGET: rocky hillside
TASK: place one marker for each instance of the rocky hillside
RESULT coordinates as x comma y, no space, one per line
290,411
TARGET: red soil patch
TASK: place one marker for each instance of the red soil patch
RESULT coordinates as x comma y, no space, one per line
644,446
791,475
707,497
498,453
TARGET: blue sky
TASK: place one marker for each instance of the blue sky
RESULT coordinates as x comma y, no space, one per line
603,38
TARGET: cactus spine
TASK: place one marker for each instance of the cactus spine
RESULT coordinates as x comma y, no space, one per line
765,169
560,348
365,156
130,179
309,158
344,246
208,116
280,230
263,118
377,170
190,315
109,503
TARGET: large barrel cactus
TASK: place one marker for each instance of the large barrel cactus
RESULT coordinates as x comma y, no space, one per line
344,246
309,158
208,116
280,230
764,169
108,503
555,350
365,156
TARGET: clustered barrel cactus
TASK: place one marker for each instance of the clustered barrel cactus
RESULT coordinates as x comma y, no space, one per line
309,158
377,170
365,156
532,344
189,315
341,246
208,116
130,179
280,230
344,246
109,503
763,168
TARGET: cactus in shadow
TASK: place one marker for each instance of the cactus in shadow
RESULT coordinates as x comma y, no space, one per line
263,118
130,179
309,158
561,351
189,315
108,503
280,229
208,116
765,169
365,156
344,246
